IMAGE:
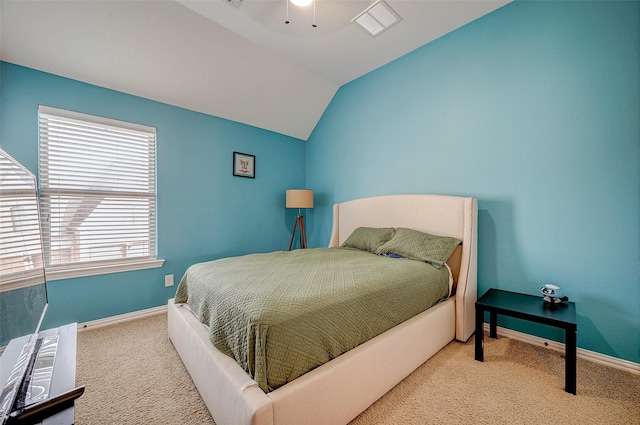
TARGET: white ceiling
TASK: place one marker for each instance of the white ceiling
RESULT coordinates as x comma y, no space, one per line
242,64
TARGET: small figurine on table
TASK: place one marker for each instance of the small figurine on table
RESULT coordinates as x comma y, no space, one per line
552,294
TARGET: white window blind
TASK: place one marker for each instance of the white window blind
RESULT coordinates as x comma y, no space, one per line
97,183
20,244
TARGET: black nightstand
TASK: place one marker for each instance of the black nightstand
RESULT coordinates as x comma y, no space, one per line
532,308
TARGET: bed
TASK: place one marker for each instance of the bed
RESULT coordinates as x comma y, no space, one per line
337,391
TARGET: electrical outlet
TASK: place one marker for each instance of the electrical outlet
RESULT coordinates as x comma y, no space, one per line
168,280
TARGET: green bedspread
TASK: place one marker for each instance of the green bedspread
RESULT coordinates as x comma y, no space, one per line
281,314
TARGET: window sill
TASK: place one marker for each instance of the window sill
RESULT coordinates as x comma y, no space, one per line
103,269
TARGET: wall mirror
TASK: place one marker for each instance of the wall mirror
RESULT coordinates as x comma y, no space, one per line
23,293
23,290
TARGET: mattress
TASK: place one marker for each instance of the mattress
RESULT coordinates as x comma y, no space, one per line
282,314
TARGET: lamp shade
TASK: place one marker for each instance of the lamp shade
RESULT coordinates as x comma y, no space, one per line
299,198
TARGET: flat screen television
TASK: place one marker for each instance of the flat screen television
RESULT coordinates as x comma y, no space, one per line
23,289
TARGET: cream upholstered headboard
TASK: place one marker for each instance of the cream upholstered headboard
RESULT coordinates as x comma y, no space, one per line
436,214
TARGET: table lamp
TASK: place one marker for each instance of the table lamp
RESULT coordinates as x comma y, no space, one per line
299,198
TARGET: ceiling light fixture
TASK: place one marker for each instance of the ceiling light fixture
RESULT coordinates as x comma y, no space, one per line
234,3
377,18
302,3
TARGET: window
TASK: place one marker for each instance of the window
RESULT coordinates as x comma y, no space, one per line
98,200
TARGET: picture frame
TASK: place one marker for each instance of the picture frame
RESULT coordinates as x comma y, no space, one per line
244,165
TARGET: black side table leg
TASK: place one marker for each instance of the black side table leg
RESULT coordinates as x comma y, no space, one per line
479,334
493,323
570,360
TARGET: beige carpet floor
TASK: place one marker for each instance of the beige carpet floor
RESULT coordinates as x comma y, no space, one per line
133,375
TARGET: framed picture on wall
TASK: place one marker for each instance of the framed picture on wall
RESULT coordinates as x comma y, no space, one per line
244,165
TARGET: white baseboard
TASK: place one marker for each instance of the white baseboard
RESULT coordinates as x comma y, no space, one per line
116,319
121,318
507,333
592,356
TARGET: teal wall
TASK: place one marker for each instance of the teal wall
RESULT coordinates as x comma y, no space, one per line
203,211
534,109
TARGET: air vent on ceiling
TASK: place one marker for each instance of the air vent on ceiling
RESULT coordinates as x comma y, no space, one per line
234,3
377,18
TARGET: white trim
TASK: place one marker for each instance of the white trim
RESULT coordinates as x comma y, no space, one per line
79,116
113,320
20,283
591,356
121,318
104,269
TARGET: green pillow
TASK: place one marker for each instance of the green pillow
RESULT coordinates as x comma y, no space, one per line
420,246
368,238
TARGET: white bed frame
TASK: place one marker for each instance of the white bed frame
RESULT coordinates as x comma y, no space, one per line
338,391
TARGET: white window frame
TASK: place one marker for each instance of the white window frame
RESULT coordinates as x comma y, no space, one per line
50,190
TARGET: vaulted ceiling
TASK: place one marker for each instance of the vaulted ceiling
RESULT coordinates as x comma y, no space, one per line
243,64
